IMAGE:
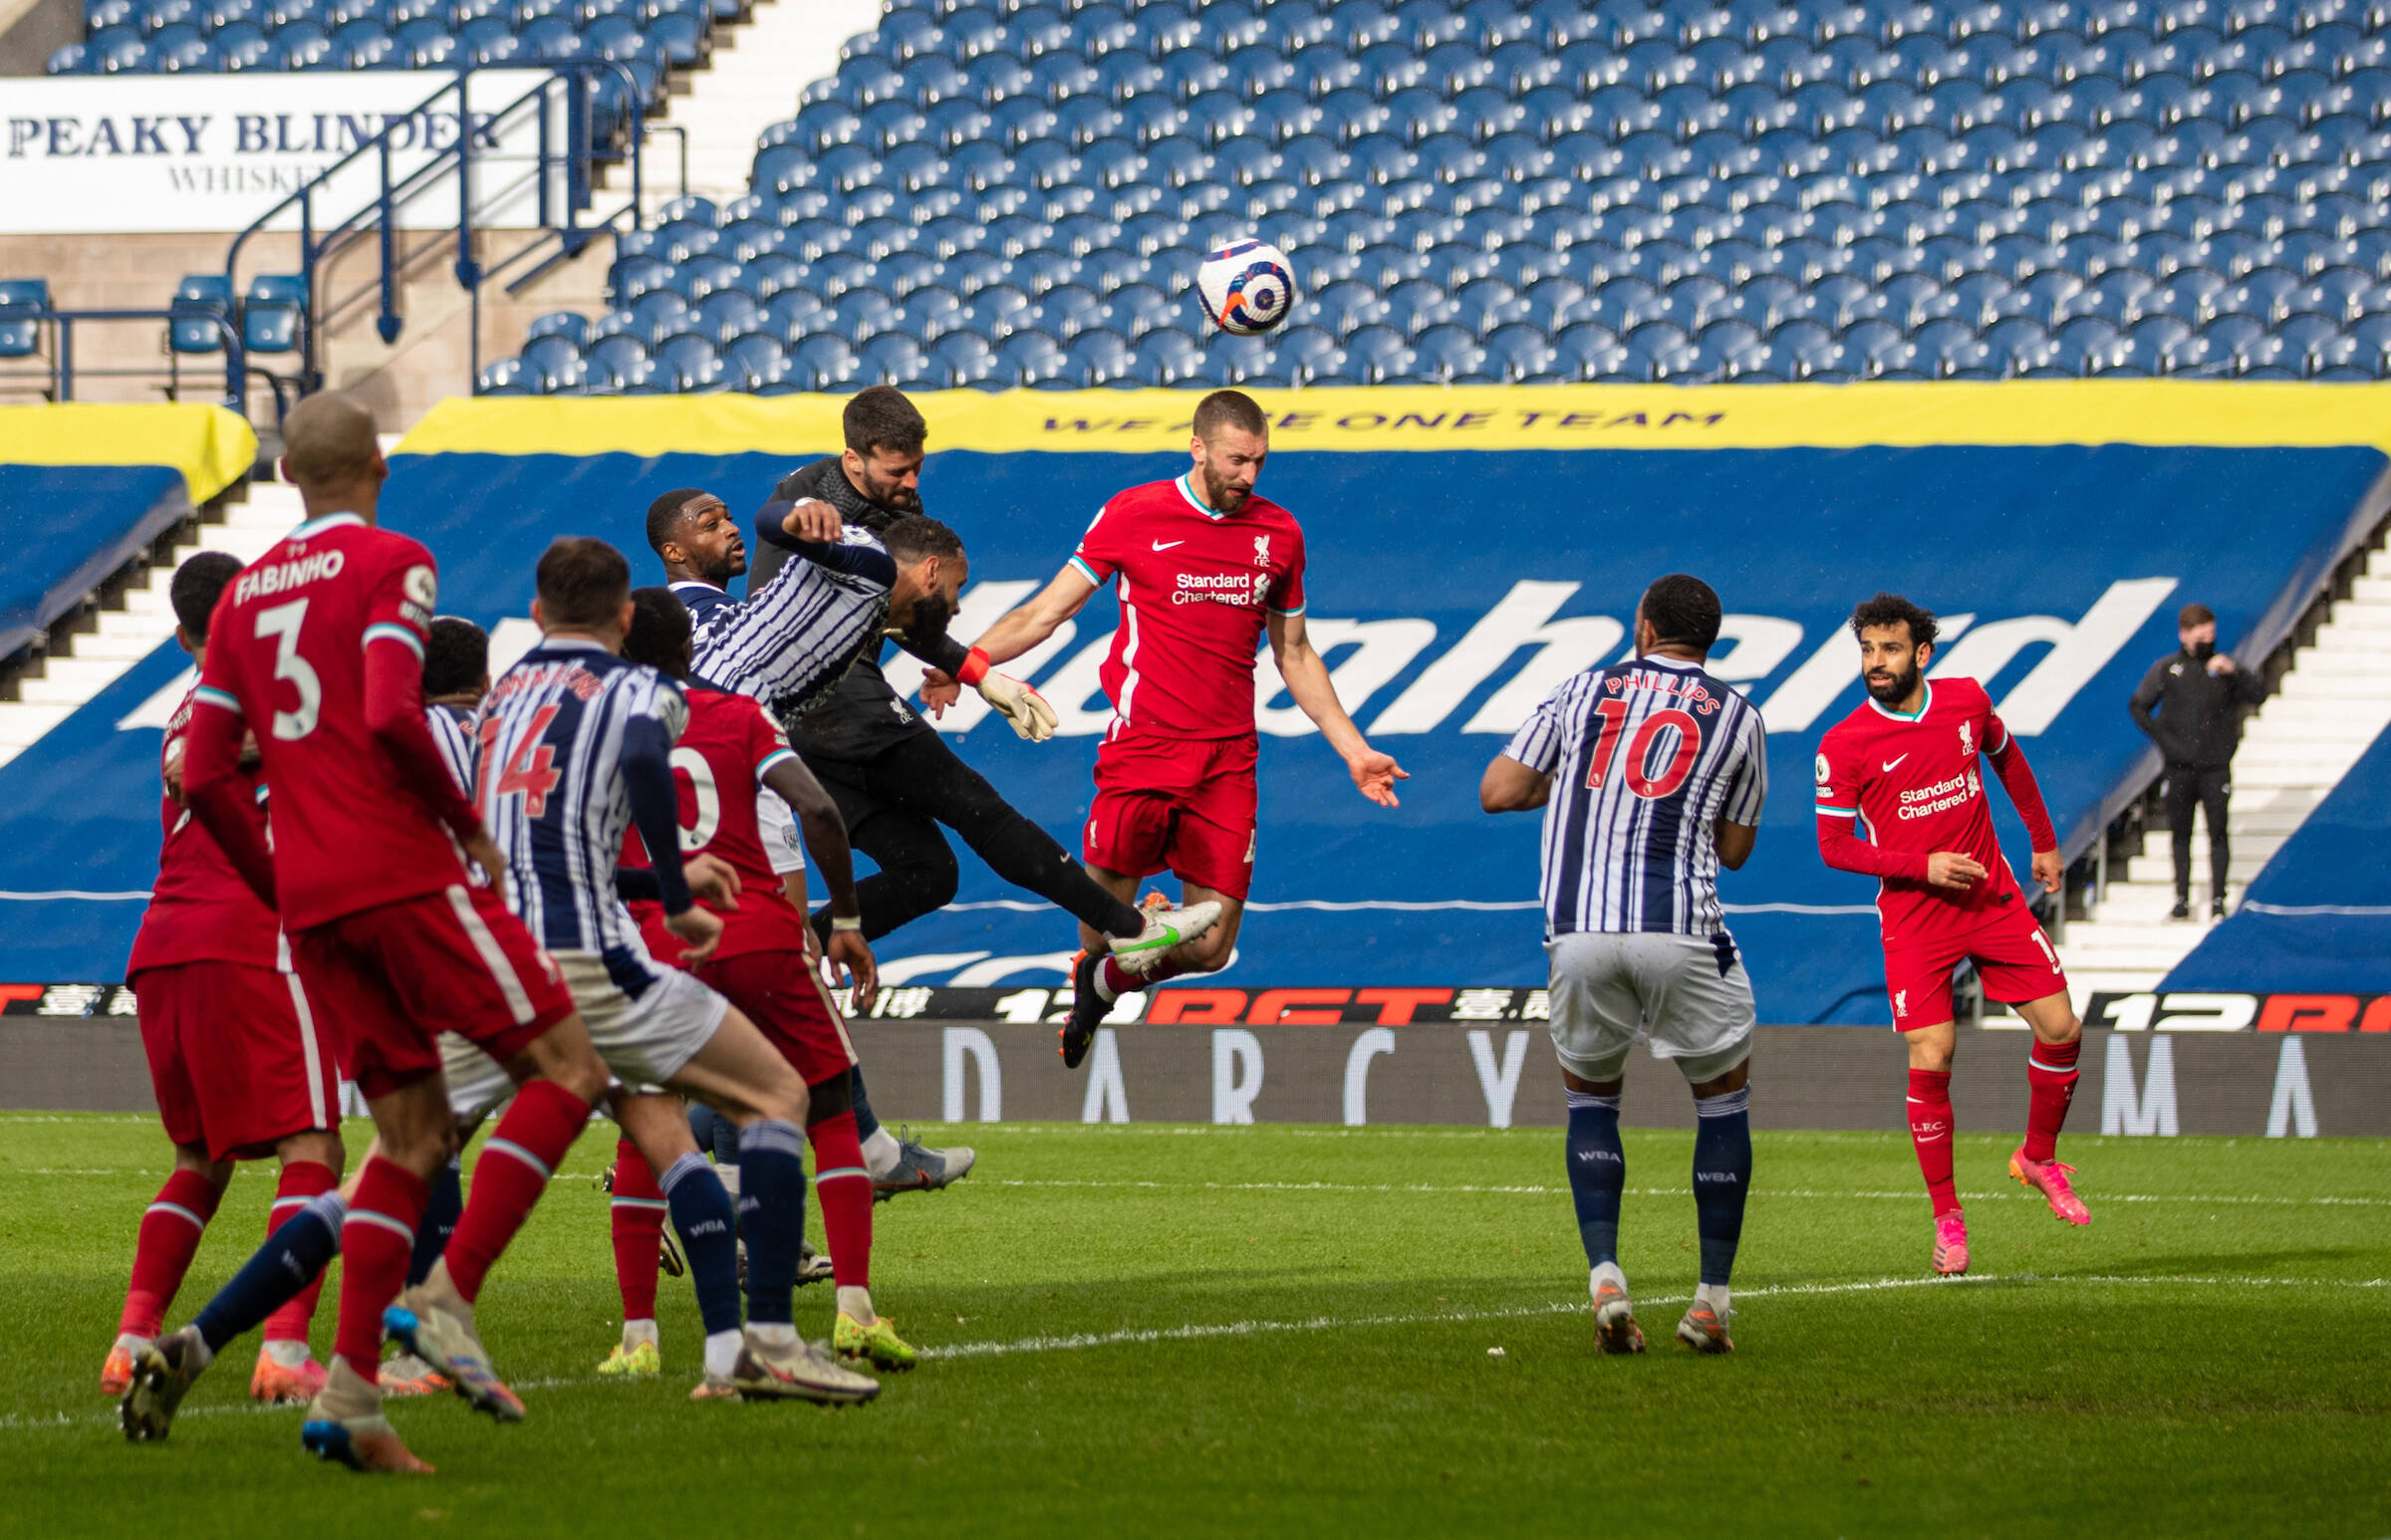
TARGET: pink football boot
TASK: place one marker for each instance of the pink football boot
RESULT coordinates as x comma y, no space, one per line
1951,1243
2050,1178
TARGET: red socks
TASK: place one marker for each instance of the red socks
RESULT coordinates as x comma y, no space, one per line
2050,1074
844,1184
1930,1130
302,1181
376,1242
1113,980
508,1180
638,1222
162,1254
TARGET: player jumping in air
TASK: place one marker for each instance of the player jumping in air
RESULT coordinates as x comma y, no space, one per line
1204,569
239,1064
1906,766
318,650
577,751
737,765
1651,774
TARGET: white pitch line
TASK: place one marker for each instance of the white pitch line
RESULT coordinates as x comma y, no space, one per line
1758,1193
1199,1332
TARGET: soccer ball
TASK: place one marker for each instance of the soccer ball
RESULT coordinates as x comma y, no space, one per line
1247,287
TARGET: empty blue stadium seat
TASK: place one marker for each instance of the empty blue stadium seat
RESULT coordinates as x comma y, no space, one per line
274,313
1969,189
20,300
199,295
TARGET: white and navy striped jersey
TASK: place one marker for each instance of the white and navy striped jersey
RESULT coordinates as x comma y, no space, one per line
556,730
790,642
452,735
1645,757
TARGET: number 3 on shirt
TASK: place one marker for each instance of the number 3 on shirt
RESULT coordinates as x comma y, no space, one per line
1639,750
282,623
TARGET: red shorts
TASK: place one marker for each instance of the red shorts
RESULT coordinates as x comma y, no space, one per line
1185,805
236,1056
397,975
779,993
2011,955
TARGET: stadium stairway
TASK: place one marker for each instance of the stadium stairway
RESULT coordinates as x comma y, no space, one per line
755,77
2333,703
123,637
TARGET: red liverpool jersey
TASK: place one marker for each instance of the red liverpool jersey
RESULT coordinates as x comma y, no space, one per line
1913,786
1196,588
719,766
357,817
200,910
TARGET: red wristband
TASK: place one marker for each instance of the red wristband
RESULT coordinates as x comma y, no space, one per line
975,667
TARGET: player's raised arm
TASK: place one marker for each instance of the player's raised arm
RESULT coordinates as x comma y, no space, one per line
1025,625
2008,762
1300,664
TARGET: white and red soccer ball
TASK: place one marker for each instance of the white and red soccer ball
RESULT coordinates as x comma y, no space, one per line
1247,287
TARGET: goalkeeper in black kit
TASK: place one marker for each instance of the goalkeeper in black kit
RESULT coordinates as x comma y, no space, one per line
894,779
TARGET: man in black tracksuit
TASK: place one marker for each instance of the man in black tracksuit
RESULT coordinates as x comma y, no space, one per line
2191,705
893,778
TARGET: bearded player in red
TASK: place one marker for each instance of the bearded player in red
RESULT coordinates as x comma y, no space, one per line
1905,764
1204,569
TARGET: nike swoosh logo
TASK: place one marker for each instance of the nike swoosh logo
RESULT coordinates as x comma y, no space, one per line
1165,545
1890,763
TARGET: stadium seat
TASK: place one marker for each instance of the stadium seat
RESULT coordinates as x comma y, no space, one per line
274,313
20,300
200,295
1882,171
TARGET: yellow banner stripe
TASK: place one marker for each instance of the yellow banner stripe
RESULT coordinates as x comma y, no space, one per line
211,446
1592,416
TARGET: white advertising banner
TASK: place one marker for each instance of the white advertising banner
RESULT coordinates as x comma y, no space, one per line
84,154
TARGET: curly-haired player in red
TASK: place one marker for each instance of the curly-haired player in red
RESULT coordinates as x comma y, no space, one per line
1904,765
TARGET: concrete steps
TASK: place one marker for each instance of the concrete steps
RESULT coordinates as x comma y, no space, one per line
124,636
758,73
2332,704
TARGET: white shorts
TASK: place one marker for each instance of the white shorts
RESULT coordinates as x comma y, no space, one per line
1686,995
643,1041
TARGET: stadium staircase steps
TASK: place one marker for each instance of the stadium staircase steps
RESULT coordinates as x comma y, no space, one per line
758,73
2333,703
94,660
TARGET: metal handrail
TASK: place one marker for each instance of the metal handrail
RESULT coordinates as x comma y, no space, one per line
62,361
576,157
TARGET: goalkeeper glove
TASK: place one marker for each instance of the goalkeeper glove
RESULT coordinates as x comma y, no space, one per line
1031,717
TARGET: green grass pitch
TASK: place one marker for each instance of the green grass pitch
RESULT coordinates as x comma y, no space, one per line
1199,1330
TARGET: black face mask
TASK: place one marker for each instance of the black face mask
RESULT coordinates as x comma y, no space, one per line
2202,652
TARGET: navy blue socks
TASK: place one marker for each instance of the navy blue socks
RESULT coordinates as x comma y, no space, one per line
439,1220
292,1258
772,1216
1597,1172
708,1229
1722,1177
